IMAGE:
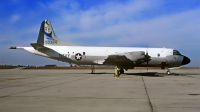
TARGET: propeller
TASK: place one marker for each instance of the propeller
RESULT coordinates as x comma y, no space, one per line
147,58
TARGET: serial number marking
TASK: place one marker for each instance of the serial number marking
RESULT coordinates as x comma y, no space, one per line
51,42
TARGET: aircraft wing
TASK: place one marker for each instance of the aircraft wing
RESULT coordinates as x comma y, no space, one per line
127,58
117,59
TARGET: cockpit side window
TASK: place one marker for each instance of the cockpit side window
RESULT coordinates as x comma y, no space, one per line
175,52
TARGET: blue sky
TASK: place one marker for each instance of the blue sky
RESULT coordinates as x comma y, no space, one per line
134,23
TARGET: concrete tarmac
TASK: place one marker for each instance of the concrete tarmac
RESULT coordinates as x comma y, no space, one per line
79,91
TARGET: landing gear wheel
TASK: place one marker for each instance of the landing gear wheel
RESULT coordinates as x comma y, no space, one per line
168,72
121,71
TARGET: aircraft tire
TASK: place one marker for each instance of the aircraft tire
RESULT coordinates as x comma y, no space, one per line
168,72
121,71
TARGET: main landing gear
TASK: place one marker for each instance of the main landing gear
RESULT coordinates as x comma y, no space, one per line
118,71
168,72
92,69
121,71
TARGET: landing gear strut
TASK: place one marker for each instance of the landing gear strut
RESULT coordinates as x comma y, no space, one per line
92,69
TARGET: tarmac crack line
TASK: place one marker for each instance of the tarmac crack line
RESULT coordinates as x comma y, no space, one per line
150,104
46,87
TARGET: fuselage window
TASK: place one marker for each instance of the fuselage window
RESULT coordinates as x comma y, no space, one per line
83,53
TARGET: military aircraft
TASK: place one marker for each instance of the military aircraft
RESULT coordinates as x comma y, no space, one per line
50,46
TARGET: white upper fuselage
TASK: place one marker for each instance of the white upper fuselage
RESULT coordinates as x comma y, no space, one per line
90,54
105,51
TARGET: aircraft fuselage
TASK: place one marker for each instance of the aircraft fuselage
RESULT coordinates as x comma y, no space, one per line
96,55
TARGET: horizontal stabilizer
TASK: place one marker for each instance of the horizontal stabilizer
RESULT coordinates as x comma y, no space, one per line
39,47
45,50
16,47
12,47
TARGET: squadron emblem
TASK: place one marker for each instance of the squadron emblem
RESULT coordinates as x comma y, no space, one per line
47,27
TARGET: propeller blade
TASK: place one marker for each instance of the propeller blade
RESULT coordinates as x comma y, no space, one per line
147,57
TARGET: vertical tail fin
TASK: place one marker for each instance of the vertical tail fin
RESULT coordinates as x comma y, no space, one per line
47,36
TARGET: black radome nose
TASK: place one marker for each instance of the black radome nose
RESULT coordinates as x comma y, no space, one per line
185,61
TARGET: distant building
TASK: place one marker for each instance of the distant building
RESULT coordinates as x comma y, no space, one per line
50,66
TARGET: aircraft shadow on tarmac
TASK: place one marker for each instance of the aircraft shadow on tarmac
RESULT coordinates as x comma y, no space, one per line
148,74
152,74
101,73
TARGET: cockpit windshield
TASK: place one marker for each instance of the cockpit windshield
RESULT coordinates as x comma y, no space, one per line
175,52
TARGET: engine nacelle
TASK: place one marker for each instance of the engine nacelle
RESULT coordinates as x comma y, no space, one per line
135,56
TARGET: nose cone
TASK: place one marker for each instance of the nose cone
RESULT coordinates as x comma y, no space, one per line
185,61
